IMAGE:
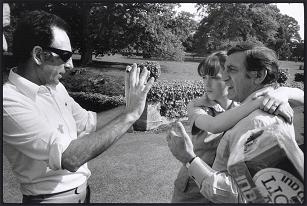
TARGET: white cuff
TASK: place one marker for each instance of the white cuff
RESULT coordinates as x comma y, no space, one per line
199,170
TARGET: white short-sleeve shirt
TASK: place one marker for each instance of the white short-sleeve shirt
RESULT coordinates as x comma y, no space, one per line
39,122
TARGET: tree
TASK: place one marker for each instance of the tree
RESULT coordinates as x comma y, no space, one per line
226,23
297,50
108,28
290,27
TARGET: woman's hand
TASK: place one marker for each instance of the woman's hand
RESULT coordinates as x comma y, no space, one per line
275,102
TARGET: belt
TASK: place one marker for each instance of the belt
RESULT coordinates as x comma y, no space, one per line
76,190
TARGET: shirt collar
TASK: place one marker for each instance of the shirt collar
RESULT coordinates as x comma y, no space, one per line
25,86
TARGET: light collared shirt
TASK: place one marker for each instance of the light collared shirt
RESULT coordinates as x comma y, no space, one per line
215,183
39,122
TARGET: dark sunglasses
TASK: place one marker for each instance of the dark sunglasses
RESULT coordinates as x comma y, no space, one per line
63,54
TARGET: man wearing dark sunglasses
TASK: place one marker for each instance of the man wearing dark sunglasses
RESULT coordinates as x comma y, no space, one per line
48,138
63,54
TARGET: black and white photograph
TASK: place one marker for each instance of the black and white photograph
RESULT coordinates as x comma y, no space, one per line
153,102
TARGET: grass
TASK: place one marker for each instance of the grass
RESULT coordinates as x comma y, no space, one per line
186,70
139,168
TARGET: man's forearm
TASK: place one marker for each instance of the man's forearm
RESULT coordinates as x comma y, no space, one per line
105,117
83,149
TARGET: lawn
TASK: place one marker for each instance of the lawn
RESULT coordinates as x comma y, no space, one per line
186,70
139,168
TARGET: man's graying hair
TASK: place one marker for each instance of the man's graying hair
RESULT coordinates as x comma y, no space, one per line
258,58
34,29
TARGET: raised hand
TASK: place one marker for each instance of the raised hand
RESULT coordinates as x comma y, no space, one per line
180,143
136,89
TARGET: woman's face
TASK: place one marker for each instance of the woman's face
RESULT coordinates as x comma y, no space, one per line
215,86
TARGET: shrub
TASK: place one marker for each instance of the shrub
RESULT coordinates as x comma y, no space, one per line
153,67
175,95
97,102
283,76
299,77
97,92
83,80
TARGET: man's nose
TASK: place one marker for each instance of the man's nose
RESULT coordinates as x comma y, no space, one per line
69,64
224,75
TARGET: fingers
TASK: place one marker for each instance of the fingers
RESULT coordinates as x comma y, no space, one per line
290,113
133,78
273,108
149,85
137,74
258,94
127,84
264,102
181,129
271,105
144,75
286,112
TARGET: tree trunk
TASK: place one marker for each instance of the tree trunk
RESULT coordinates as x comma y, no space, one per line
86,55
86,46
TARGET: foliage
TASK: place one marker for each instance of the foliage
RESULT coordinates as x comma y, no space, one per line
297,50
98,92
83,80
108,27
230,22
299,77
283,76
97,102
160,40
175,95
154,68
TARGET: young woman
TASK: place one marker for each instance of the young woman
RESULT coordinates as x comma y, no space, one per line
208,118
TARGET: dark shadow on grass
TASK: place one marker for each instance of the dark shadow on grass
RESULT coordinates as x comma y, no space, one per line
115,66
103,65
186,59
193,59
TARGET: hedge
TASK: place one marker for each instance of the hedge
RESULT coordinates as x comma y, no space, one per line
175,95
98,92
154,68
283,76
84,80
299,77
97,102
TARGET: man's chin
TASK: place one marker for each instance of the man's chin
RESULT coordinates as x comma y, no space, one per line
54,83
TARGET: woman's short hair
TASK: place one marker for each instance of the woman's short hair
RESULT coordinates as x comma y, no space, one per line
212,64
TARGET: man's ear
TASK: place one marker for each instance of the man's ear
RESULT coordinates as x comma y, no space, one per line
38,55
260,76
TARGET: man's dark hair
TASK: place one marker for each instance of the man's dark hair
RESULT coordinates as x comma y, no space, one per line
34,29
258,58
